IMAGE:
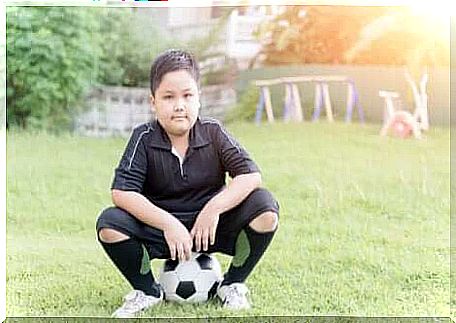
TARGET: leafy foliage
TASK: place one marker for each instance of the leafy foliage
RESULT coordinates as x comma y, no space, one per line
202,45
316,34
54,54
246,107
127,51
226,74
360,35
205,51
52,58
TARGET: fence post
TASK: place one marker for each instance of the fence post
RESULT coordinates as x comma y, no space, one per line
297,111
268,104
327,100
288,103
317,101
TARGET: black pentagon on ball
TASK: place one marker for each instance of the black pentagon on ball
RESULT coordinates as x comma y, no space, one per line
170,265
185,289
213,291
204,261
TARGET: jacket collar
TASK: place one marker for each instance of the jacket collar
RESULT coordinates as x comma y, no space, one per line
159,138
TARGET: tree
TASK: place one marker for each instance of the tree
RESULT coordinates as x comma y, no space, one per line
313,34
205,49
360,35
127,49
52,58
55,54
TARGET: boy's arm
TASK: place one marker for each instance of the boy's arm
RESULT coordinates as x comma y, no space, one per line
142,209
232,195
176,235
126,191
245,176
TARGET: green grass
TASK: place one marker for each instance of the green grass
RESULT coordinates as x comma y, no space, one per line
364,224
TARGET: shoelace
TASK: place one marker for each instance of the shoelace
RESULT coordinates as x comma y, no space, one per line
134,301
236,294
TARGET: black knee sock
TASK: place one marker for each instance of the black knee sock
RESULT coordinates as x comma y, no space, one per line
132,259
250,246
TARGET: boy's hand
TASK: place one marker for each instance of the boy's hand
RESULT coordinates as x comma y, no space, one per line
179,241
203,231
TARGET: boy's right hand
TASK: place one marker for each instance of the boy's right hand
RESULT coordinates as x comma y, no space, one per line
179,240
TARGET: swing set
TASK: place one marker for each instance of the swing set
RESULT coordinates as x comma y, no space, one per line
292,110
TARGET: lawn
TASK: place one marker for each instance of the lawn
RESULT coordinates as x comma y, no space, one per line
364,224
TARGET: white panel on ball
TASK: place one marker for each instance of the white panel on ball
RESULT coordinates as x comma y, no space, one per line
190,281
187,270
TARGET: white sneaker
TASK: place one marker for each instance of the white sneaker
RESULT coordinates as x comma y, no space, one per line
135,302
234,296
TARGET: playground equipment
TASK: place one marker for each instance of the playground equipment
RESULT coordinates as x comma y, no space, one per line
403,123
421,100
292,109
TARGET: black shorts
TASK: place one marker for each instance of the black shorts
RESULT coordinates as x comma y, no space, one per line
229,226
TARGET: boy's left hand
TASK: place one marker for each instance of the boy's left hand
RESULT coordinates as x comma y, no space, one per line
203,231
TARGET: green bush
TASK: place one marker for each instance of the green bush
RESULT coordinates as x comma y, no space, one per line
55,54
245,109
127,53
52,58
225,75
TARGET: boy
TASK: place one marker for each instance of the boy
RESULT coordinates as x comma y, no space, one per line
170,194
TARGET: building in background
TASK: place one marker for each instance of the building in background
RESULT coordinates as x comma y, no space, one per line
237,41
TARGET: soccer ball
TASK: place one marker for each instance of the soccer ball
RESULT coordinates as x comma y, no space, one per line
191,281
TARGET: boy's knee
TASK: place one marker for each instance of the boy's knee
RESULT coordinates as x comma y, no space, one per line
109,217
265,222
110,235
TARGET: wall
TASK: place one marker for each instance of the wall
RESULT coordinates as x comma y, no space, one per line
115,111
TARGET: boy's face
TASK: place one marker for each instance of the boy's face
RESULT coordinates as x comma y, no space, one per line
176,102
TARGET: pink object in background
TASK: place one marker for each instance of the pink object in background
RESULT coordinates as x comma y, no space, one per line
402,124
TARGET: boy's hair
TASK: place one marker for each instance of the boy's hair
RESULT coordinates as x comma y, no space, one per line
169,61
